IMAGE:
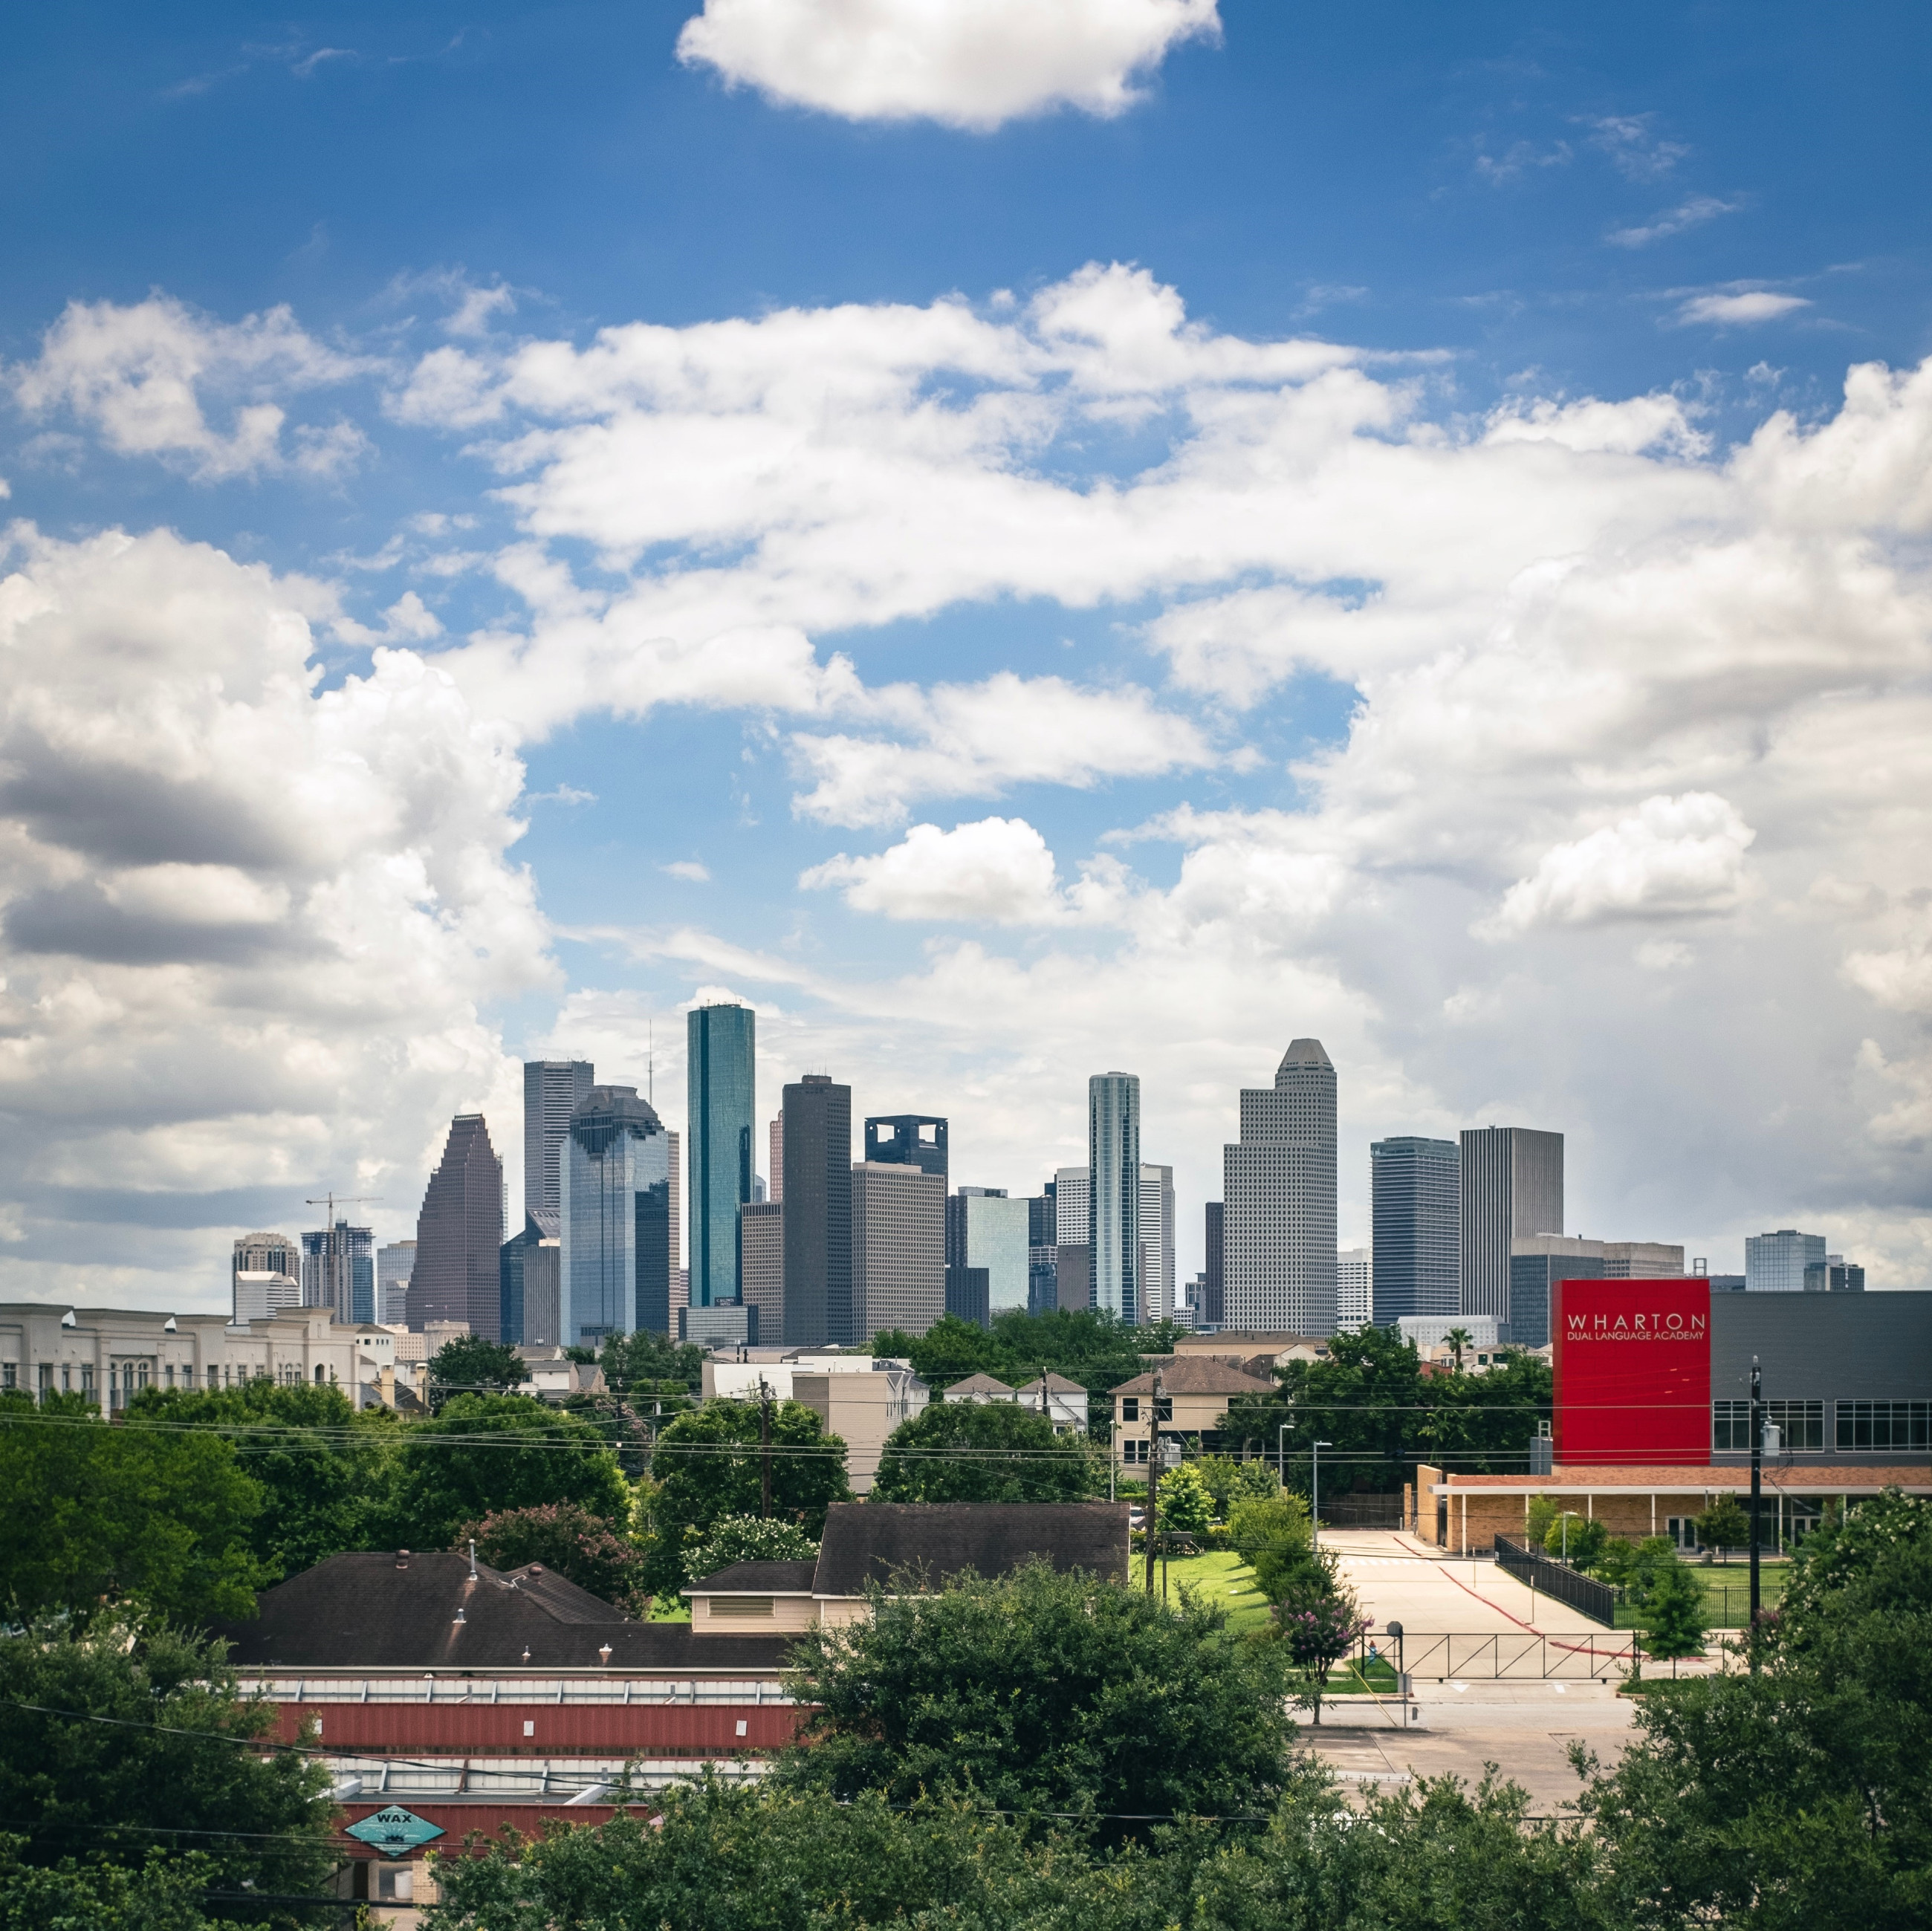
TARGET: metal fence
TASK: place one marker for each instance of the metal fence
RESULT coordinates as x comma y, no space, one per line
1513,1657
1363,1512
1530,1566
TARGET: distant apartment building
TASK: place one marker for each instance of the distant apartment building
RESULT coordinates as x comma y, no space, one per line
1354,1290
1416,1192
264,1276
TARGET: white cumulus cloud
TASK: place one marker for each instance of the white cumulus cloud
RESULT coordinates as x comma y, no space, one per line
1731,310
968,63
1671,858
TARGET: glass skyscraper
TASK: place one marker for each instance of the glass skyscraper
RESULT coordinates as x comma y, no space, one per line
1512,1188
1114,1204
721,1076
1416,1188
338,1271
818,1214
616,1258
1778,1264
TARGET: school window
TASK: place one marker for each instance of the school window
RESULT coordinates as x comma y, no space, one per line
1885,1425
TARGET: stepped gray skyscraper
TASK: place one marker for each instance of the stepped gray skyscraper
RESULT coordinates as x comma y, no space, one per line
1278,1201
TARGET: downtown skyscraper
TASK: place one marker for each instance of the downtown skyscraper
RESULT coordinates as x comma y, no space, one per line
1415,1187
1278,1201
1512,1188
552,1090
721,1084
615,1265
818,1214
1114,1197
458,1274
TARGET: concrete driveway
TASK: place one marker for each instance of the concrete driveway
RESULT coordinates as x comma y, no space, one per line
1398,1578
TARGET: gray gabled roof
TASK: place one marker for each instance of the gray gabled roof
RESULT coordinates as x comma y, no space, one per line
1193,1374
757,1579
866,1542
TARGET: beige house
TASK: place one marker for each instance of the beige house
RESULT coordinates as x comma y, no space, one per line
870,1544
1194,1396
859,1398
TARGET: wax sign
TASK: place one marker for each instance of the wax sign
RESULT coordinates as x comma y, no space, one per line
395,1831
1633,1369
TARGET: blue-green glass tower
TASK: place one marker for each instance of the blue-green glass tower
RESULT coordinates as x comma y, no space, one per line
721,1060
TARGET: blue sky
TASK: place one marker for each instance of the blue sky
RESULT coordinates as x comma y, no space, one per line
1503,692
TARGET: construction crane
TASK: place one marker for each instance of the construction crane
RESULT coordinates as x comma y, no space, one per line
331,1254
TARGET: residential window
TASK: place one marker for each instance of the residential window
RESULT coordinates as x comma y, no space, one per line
1130,1408
1134,1451
1885,1425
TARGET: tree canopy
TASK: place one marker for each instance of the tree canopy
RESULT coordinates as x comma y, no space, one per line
985,1452
317,1462
580,1547
1094,1348
97,1514
707,1467
486,1453
1371,1400
121,1740
471,1365
748,1539
1043,1693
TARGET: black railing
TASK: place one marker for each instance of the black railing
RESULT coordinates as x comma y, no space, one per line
1530,1566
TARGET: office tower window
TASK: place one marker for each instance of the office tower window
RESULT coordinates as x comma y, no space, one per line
338,1271
1114,1202
721,1080
818,1204
1416,1188
1354,1290
615,1266
552,1090
1512,1187
1786,1262
899,1248
457,1275
1156,1235
909,1140
1801,1426
1278,1201
985,1230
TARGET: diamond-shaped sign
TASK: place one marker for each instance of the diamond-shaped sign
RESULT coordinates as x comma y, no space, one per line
395,1831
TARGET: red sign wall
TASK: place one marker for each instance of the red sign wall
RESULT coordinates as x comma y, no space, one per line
1632,1362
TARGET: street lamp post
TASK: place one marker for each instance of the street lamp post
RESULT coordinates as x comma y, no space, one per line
1281,1453
1315,1500
1757,1494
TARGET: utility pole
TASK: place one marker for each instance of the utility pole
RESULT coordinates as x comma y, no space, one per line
764,1450
1153,1479
332,1255
1314,1499
1757,1491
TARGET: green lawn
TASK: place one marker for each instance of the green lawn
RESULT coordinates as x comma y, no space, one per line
1220,1578
1727,1593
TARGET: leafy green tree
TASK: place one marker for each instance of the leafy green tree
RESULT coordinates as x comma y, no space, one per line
1187,1507
1459,1339
469,1365
318,1465
1273,1535
98,1514
164,1894
1043,1693
1794,1795
707,1467
579,1546
1095,1349
1673,1612
1724,1524
484,1454
1543,1513
1318,1634
985,1452
652,1365
1579,1540
119,1741
748,1539
1230,1479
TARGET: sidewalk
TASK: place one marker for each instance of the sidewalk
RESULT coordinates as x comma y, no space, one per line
1397,1578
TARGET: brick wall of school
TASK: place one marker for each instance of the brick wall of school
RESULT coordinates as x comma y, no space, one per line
1473,1520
